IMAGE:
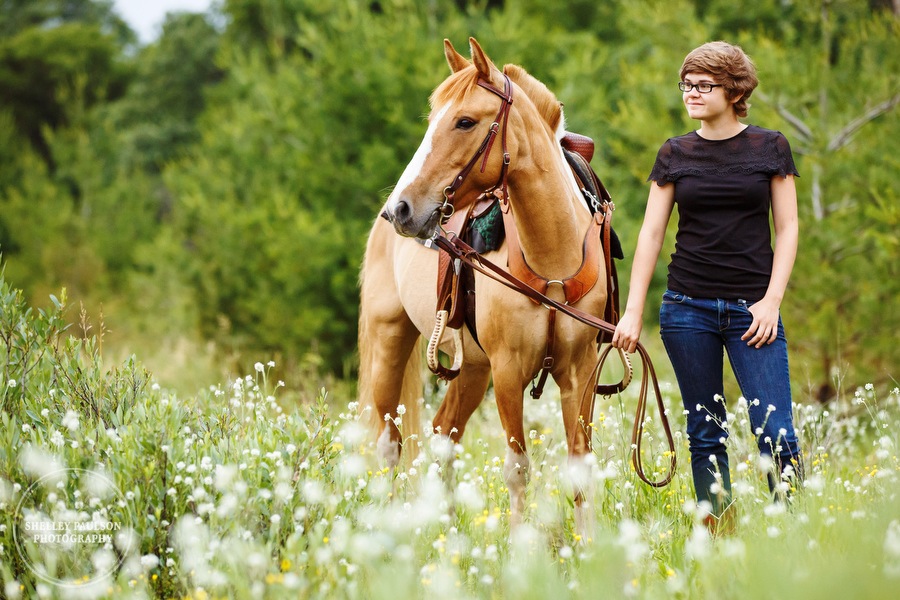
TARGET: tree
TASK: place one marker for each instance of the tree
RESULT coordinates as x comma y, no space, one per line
18,15
836,86
157,116
46,72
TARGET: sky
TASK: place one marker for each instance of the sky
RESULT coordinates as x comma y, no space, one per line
146,16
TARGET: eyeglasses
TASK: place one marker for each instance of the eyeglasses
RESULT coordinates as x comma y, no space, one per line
703,88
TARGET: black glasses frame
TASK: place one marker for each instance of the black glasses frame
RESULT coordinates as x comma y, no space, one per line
703,88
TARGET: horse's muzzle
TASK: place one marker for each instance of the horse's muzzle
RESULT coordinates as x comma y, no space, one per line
406,223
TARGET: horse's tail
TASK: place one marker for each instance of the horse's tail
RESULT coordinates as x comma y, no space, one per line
368,412
411,398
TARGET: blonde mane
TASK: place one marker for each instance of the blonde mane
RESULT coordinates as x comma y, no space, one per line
543,99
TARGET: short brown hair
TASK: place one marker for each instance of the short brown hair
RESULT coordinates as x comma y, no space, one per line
731,67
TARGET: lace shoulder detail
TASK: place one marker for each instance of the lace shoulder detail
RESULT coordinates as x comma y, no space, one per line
754,150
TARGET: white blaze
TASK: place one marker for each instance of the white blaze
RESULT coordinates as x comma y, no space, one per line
414,167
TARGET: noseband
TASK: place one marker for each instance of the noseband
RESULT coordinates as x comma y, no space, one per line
499,189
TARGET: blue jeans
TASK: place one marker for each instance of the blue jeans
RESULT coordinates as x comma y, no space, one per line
695,332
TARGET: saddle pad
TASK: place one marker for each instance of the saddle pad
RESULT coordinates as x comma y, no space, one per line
486,232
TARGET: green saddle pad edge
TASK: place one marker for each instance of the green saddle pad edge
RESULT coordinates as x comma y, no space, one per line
487,230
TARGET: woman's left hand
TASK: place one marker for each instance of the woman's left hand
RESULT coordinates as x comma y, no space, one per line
764,328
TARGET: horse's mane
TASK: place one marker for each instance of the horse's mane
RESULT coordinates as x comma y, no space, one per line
543,99
460,84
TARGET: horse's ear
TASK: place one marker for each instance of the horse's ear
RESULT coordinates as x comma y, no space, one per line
456,60
484,65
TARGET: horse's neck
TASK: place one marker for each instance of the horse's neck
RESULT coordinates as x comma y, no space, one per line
551,225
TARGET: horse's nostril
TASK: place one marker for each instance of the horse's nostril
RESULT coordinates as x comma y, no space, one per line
402,212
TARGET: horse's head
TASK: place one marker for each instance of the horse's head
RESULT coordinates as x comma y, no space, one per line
458,155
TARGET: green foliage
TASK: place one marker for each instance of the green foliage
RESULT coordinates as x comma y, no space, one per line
19,15
156,119
275,204
42,234
27,337
42,68
40,361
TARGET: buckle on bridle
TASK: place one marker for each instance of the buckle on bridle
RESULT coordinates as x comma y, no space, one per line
446,211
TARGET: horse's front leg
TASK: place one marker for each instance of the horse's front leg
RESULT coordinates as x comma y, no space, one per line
576,385
389,372
463,396
509,388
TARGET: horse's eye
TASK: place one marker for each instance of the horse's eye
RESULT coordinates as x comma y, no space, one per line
465,124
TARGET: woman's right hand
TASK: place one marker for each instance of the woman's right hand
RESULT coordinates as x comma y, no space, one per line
628,332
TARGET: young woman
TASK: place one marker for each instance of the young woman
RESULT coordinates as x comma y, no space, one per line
725,282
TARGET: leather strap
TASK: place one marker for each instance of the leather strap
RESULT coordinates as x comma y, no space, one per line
575,286
614,388
431,353
538,388
601,202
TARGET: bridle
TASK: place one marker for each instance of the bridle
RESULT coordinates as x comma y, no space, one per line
499,189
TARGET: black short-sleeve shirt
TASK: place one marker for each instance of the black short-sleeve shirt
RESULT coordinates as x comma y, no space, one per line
723,247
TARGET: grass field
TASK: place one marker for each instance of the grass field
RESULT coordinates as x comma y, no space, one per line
247,489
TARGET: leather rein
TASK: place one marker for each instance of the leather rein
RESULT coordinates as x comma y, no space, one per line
456,252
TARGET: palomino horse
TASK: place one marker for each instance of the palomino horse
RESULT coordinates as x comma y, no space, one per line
399,276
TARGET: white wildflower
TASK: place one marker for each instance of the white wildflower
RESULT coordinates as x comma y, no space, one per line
892,550
12,590
40,464
631,540
697,546
149,561
57,439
